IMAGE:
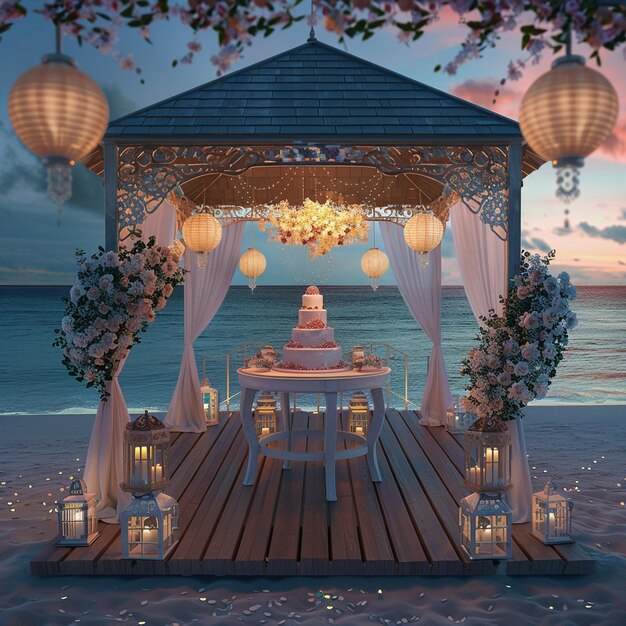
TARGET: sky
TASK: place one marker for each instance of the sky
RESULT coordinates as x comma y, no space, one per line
35,250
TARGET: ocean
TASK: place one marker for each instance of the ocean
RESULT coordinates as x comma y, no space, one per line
33,381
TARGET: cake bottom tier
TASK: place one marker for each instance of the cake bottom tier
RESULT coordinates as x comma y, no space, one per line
312,358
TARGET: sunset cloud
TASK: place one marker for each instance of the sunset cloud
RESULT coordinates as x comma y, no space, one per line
614,233
483,92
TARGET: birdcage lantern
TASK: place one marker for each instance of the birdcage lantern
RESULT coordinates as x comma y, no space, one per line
210,399
149,527
358,414
77,516
552,515
146,445
487,448
266,415
485,523
458,420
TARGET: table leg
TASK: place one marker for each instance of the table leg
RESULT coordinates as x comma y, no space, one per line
285,413
330,444
373,433
245,409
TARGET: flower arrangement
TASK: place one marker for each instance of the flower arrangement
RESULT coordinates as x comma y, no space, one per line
114,297
294,344
520,350
329,343
260,361
289,365
369,360
321,227
312,291
315,324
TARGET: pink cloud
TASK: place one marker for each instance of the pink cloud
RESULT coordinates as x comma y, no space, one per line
615,145
483,92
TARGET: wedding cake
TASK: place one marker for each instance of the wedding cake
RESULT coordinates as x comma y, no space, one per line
312,345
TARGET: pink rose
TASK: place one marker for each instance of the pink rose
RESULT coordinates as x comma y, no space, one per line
167,290
103,308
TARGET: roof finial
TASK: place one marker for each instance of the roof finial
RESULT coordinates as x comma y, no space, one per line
312,35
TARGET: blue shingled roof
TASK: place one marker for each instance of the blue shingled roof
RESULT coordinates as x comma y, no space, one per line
314,92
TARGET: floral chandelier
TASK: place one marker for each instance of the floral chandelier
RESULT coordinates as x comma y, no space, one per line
320,227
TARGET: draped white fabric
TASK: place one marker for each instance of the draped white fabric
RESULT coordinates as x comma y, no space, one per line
421,289
482,260
205,290
481,255
104,463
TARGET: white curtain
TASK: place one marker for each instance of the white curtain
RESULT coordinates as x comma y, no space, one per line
205,290
481,255
421,289
104,463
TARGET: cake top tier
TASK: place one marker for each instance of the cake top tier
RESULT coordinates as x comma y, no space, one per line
312,291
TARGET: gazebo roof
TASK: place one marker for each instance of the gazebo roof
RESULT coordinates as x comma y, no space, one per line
314,92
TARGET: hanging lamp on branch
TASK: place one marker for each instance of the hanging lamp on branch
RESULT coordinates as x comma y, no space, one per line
374,262
252,263
60,114
565,115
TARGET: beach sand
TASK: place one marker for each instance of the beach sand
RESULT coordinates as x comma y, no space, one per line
584,450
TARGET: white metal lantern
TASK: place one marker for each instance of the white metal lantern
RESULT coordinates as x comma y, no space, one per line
60,114
565,115
266,415
458,420
423,233
374,264
210,402
77,516
552,515
358,414
485,523
149,527
202,233
146,445
252,264
487,448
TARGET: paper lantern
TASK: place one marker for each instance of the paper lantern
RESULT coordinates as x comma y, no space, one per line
77,516
565,115
60,114
374,264
487,448
485,523
149,527
423,233
252,264
358,414
552,515
266,415
201,233
146,445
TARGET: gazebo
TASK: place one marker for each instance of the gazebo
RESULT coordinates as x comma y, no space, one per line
312,122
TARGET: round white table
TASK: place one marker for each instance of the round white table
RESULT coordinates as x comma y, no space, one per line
329,383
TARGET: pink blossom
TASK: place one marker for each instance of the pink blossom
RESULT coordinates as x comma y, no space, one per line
161,302
520,368
549,352
491,378
167,290
106,282
528,320
510,348
530,352
103,308
493,362
75,293
93,293
504,378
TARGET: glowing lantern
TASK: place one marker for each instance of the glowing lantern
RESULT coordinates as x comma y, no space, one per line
146,444
485,523
374,264
202,234
252,264
149,526
423,233
77,516
60,114
565,115
210,400
178,248
552,515
266,415
358,414
458,420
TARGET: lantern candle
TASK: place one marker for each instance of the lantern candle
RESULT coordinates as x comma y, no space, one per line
265,431
491,455
359,430
483,535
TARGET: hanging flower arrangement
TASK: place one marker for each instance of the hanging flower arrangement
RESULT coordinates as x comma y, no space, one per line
114,297
320,227
519,351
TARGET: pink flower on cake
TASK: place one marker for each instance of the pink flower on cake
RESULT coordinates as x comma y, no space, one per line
294,344
329,343
312,291
315,324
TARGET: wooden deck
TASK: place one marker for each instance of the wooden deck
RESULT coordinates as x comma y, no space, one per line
283,526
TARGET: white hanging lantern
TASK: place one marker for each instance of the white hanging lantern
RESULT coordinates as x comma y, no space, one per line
374,264
252,264
202,233
77,516
552,516
149,527
423,233
358,414
60,114
485,523
565,115
487,448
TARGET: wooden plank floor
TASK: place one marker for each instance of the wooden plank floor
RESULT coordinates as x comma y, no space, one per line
283,526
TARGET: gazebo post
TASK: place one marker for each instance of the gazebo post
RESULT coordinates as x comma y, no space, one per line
110,195
514,214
